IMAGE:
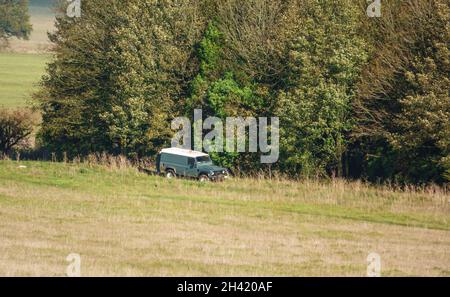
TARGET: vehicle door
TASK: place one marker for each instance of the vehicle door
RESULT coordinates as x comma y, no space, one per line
181,166
192,168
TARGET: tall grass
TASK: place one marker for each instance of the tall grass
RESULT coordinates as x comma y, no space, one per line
124,222
120,162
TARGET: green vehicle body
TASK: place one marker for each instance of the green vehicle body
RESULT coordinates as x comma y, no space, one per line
189,164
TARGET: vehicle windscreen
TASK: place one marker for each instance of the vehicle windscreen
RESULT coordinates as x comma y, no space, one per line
204,160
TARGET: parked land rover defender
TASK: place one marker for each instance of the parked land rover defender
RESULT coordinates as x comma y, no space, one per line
175,162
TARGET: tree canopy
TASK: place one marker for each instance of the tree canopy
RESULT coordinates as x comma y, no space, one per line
356,96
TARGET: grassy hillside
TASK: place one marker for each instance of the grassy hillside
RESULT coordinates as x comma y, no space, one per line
22,66
125,223
19,76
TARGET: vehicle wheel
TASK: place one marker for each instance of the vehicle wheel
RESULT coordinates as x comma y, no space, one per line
170,174
203,178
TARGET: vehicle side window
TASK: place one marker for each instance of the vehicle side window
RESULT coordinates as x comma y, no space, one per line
174,160
191,162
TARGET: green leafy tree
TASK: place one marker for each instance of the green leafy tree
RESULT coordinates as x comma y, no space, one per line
218,93
118,76
404,106
325,56
14,20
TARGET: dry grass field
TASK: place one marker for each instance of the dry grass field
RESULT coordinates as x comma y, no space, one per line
124,223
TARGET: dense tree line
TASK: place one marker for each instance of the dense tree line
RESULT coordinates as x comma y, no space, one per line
403,103
356,96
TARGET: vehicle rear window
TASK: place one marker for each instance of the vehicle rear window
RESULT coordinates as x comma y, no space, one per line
174,159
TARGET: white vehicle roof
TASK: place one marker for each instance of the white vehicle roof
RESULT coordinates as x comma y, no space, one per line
183,152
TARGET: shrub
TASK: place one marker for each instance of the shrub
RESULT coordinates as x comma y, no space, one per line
16,127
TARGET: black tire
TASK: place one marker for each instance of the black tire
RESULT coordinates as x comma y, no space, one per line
203,178
170,174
